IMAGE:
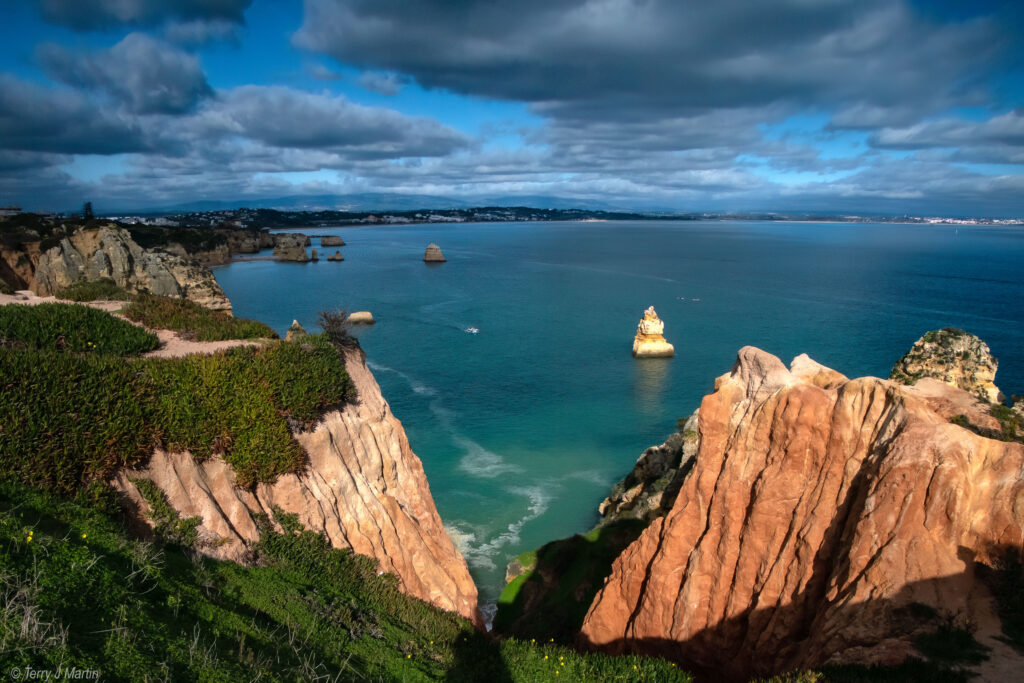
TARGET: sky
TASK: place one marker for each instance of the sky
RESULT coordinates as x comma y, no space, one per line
838,106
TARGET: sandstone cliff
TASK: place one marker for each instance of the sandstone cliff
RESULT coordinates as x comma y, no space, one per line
363,488
819,511
649,341
954,357
110,252
433,254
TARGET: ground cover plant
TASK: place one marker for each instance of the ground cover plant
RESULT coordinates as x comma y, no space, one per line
192,320
77,590
67,417
69,327
103,289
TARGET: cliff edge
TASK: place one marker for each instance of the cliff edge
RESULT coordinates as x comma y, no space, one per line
819,513
363,487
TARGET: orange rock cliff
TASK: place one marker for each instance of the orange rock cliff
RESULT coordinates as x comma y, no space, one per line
363,487
818,510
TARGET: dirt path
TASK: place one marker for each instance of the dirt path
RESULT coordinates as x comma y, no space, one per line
172,344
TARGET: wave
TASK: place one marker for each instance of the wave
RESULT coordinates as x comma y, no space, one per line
482,555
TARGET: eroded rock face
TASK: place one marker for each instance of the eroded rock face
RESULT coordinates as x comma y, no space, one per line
296,254
361,318
649,341
954,357
331,241
336,256
363,487
110,252
819,509
295,331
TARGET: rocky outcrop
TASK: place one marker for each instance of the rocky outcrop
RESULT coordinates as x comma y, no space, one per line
649,341
18,265
954,357
295,331
110,252
336,256
290,239
331,241
247,241
294,254
649,491
217,256
313,255
363,487
818,512
433,254
361,318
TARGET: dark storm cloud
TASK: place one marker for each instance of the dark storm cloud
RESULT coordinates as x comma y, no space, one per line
614,59
144,74
1000,139
103,14
33,118
284,117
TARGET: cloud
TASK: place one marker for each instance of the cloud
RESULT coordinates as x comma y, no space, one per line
384,83
202,31
616,59
144,74
322,73
34,118
999,139
83,15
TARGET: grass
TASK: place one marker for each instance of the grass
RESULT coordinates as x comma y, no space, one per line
192,320
168,525
103,289
77,590
551,598
69,418
69,327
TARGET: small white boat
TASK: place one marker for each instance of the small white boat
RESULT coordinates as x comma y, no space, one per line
472,330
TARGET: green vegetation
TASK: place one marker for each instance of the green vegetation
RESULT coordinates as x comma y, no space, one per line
550,599
192,320
167,523
192,239
76,590
6,288
1010,422
336,326
103,289
69,418
1006,581
69,327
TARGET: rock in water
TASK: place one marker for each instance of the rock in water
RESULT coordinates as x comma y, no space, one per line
313,256
361,318
433,254
111,253
336,256
294,254
818,511
363,488
331,241
295,331
649,342
952,356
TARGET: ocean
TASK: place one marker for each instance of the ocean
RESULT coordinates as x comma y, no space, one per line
524,427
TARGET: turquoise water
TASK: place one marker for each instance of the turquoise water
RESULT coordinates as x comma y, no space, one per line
524,427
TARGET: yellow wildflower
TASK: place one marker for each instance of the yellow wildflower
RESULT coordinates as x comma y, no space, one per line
83,535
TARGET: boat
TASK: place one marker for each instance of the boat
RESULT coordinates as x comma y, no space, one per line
472,330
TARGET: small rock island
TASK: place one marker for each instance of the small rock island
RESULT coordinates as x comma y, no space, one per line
433,254
649,341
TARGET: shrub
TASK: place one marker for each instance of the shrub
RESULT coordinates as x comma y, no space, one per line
103,289
70,327
6,288
335,326
192,320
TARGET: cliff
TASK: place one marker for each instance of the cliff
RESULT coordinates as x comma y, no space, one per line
363,487
109,252
820,512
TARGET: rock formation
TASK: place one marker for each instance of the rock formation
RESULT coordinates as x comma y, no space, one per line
952,356
217,256
110,252
361,318
289,239
313,256
336,256
295,331
433,254
649,491
363,487
291,253
331,241
649,342
819,509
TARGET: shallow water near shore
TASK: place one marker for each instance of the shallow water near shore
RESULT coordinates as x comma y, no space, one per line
524,427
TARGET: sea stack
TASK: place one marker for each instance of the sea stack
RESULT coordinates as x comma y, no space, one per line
361,318
336,256
433,254
295,331
649,342
331,241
